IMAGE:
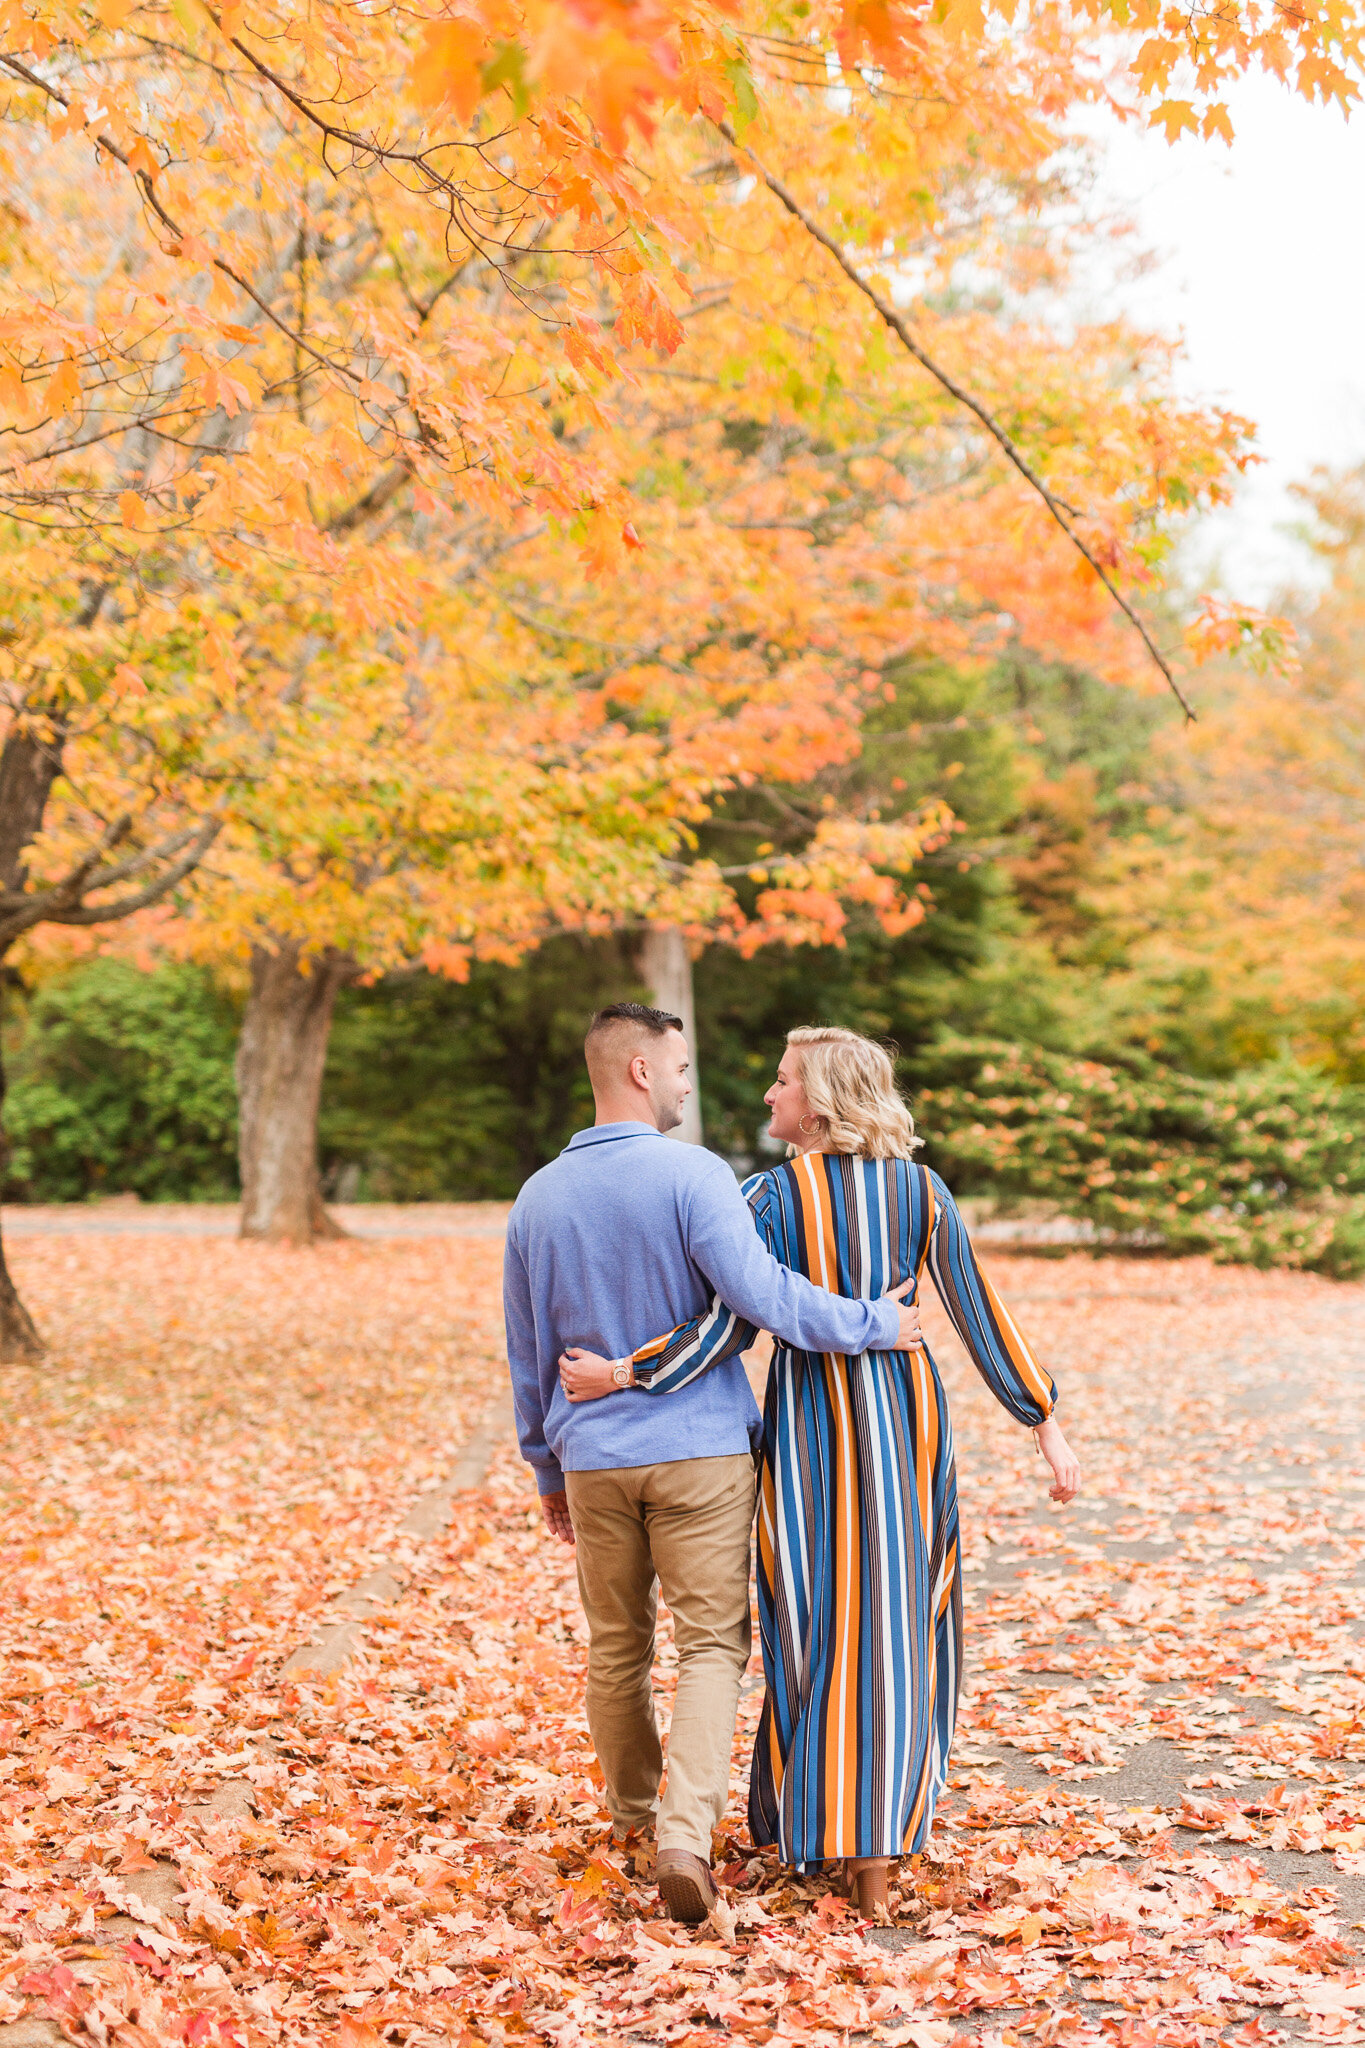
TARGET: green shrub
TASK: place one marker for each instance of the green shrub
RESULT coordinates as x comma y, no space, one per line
122,1080
1266,1168
1342,1255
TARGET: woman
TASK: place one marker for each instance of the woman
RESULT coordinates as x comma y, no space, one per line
859,1576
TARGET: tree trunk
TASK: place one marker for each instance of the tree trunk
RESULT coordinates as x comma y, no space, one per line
280,1057
20,1343
665,967
28,768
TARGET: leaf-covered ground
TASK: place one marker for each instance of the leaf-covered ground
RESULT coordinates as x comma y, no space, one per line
1157,1825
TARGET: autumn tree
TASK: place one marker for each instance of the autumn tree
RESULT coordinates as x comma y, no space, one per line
813,518
424,817
104,810
1244,896
247,418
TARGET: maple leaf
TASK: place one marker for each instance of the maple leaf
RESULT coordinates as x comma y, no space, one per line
447,66
14,394
1175,116
63,390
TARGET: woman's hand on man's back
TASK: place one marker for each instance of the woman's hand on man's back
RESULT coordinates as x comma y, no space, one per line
585,1375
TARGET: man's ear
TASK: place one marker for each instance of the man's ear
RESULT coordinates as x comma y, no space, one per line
638,1070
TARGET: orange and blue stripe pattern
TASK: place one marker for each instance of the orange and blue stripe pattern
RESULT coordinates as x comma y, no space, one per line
859,1574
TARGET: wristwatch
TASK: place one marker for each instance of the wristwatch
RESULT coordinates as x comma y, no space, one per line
623,1373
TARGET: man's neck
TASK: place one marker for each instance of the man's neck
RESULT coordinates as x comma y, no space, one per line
623,1113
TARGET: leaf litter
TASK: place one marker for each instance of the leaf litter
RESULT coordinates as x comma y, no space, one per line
225,1439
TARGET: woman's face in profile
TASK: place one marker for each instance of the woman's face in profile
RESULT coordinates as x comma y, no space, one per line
787,1101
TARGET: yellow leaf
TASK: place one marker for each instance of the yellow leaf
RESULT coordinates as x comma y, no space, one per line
1175,116
13,392
594,1879
1030,1927
140,158
446,72
113,13
63,388
193,17
133,512
963,18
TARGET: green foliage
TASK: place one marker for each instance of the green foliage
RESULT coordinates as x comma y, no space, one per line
122,1080
1267,1168
1341,1255
1039,1066
437,1091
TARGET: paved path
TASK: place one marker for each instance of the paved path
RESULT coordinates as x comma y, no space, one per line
1180,1658
126,1216
120,1217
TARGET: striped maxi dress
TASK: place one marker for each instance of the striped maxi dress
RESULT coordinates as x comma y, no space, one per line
859,1573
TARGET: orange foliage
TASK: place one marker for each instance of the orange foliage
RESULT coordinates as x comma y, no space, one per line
417,1845
1254,870
373,481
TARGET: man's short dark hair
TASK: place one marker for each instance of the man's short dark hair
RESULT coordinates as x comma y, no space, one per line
639,1014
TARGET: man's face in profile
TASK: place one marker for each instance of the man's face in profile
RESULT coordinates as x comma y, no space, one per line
669,1062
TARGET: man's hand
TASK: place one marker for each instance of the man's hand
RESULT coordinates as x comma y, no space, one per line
585,1375
1066,1466
910,1336
554,1507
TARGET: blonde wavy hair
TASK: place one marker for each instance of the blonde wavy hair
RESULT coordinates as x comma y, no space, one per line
850,1084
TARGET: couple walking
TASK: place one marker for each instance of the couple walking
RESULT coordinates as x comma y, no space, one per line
636,1272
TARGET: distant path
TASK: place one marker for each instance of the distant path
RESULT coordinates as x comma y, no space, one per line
119,1217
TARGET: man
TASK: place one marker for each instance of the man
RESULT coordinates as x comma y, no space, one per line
622,1236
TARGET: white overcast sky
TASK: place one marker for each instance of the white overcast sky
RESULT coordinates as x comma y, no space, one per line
1262,269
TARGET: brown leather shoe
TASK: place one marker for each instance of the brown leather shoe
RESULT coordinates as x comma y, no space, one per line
685,1885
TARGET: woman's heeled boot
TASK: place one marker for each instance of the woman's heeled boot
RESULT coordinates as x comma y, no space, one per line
870,1884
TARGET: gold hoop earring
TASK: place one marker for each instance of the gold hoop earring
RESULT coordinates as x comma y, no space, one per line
801,1124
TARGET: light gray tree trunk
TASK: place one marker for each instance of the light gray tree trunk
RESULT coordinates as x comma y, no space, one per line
665,968
280,1057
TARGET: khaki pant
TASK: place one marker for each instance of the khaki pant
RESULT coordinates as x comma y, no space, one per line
684,1527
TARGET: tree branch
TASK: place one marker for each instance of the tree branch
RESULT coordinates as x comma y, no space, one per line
892,319
385,487
172,226
65,903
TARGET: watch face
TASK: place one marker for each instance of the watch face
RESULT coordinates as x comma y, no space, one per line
622,1375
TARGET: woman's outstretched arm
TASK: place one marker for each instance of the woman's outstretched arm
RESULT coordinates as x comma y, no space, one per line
994,1342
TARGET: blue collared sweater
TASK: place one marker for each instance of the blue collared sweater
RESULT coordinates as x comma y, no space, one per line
626,1234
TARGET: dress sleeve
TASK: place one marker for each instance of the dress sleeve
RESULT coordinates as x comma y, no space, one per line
994,1341
666,1363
